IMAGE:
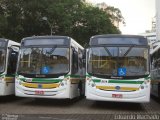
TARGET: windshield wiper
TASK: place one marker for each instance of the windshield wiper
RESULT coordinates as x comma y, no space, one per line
108,51
128,51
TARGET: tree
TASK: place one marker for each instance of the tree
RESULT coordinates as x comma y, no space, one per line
74,18
79,20
115,15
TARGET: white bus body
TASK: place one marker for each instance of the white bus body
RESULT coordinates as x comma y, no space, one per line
118,69
50,67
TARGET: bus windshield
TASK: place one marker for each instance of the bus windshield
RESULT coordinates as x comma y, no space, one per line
2,60
44,60
118,61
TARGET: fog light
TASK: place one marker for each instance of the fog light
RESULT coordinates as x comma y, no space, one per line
142,87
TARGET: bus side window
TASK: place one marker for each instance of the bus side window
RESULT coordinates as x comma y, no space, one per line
12,62
74,61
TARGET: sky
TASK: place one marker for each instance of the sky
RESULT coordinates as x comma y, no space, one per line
138,14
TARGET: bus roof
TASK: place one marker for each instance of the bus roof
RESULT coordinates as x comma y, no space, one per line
117,35
45,40
61,40
118,39
44,37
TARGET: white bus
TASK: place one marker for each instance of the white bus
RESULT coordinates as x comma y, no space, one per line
8,60
118,69
155,70
50,67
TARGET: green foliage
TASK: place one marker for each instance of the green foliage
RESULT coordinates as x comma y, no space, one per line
115,15
74,18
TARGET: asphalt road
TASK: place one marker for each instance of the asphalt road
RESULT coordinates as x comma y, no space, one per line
15,108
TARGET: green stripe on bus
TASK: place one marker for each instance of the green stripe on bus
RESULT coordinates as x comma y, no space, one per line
22,79
120,81
125,81
96,80
43,80
46,80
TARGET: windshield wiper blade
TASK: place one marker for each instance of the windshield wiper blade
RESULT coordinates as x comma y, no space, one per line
128,51
108,51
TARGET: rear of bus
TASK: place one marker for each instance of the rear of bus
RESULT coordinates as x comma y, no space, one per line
118,69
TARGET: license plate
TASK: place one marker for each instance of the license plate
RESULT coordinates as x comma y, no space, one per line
39,92
117,95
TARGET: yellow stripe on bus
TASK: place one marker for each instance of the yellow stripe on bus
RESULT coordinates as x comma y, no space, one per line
50,86
44,86
113,88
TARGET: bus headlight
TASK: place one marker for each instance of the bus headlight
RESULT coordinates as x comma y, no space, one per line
93,85
62,84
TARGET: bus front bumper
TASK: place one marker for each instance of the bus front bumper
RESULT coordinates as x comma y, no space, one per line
140,96
55,93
